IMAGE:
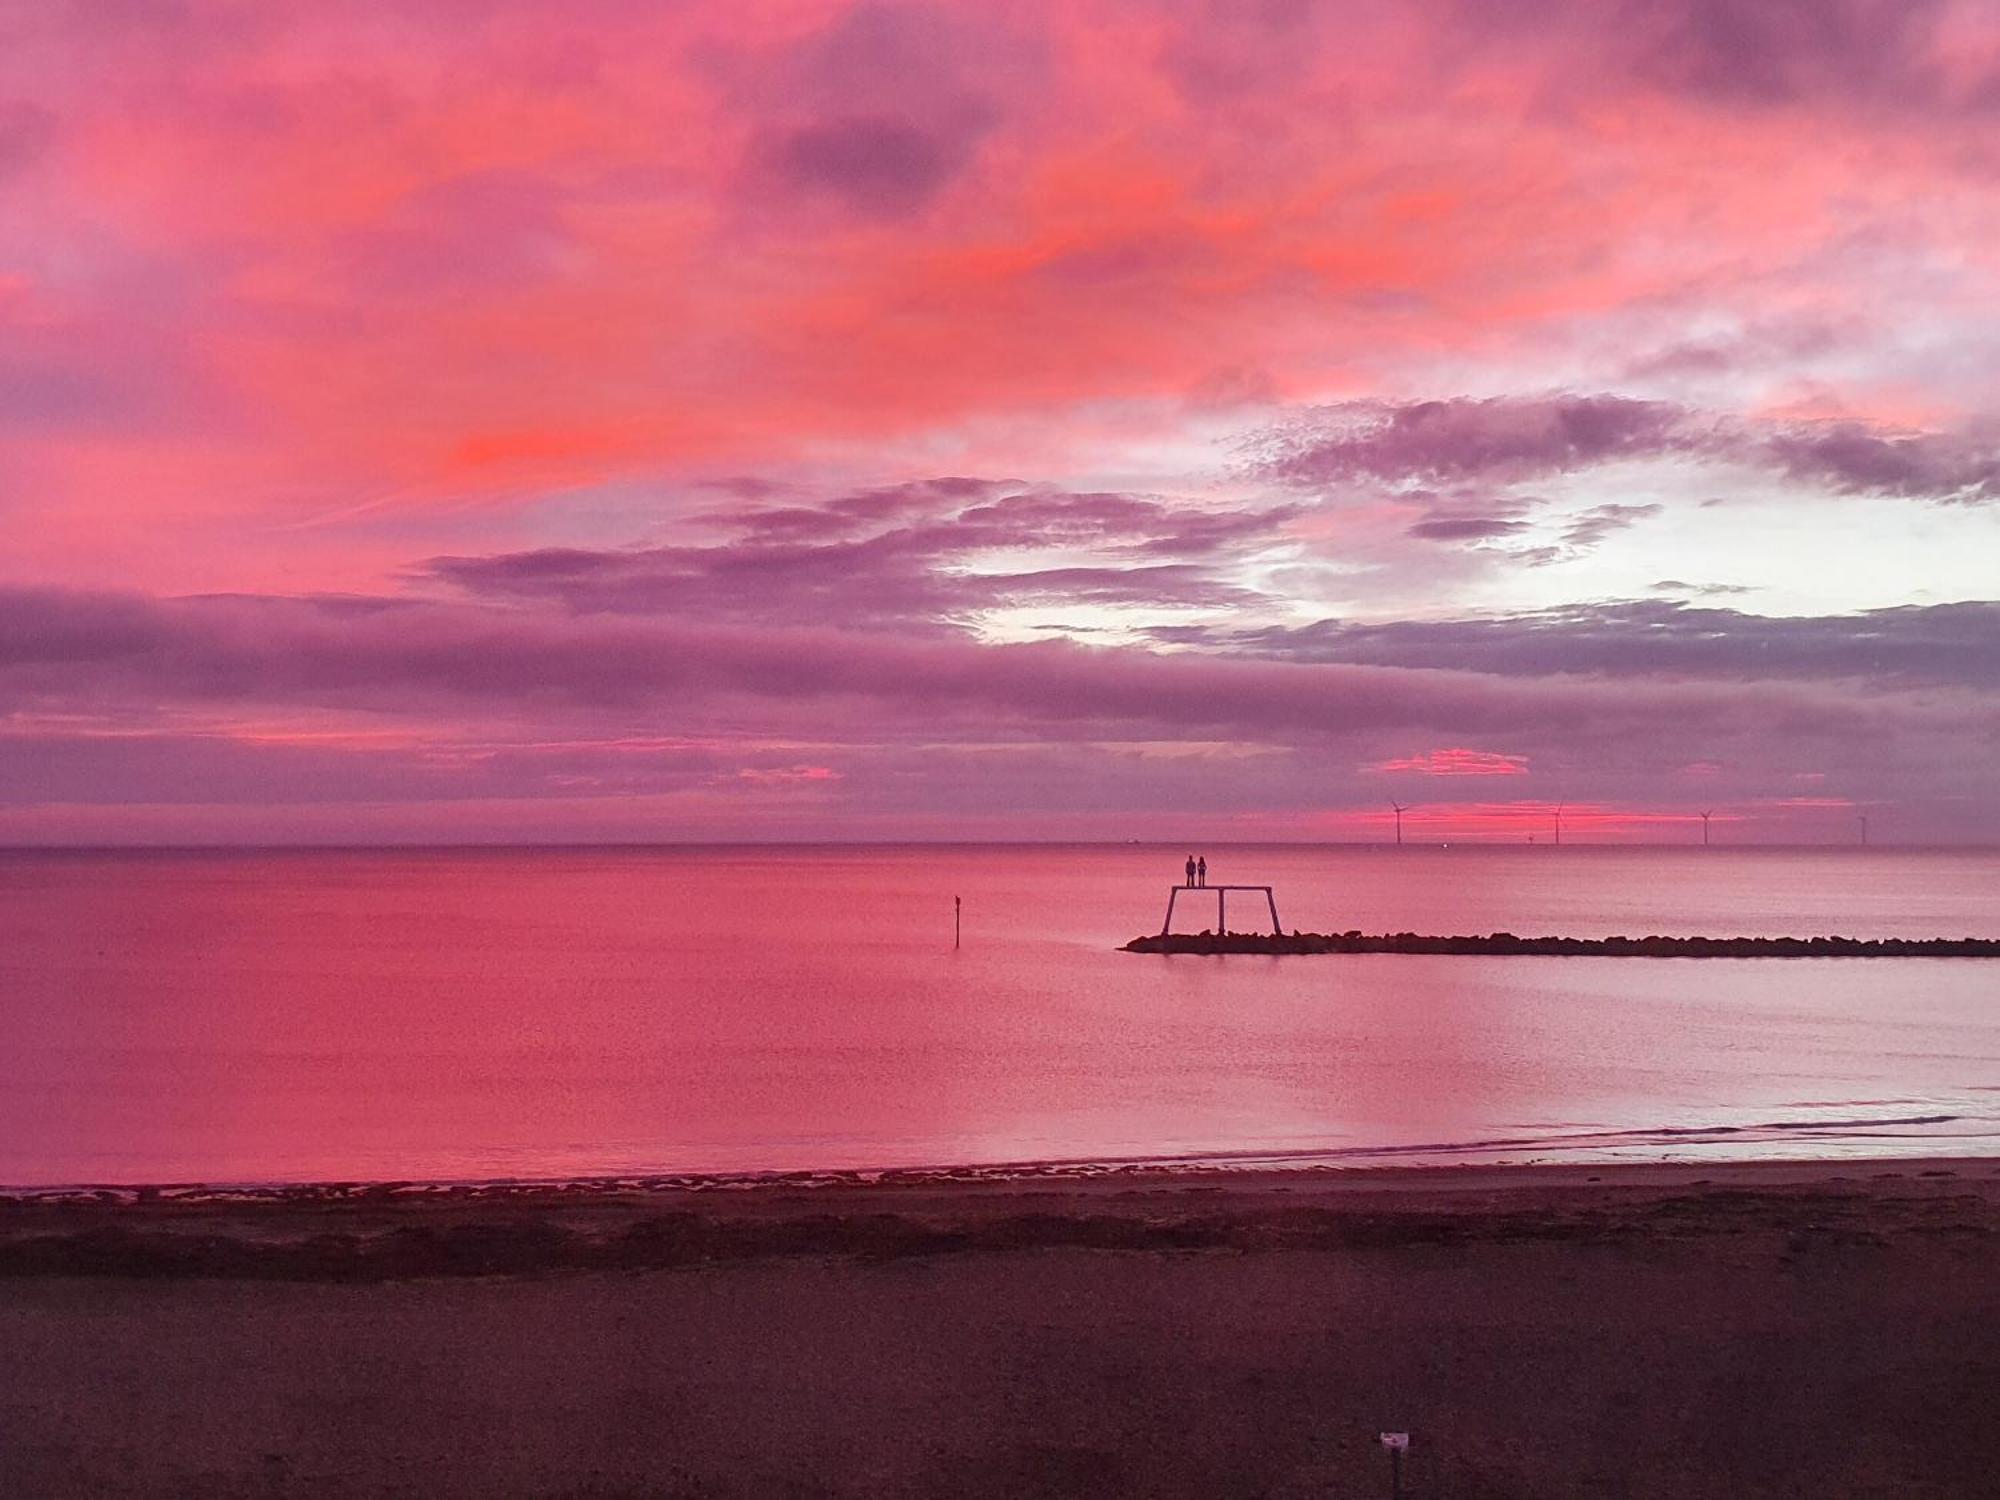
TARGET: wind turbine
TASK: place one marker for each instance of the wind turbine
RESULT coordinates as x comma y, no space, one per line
1704,827
1399,821
1559,825
1864,828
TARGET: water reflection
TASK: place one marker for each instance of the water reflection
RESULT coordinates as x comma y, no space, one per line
345,1015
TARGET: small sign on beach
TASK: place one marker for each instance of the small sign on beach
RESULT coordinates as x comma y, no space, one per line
1399,1441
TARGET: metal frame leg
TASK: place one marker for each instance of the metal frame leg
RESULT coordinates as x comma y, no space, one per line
1168,925
1276,930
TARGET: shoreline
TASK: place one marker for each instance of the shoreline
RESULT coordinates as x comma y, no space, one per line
399,1231
1381,1165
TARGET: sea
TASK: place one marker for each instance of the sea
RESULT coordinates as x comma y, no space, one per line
462,1015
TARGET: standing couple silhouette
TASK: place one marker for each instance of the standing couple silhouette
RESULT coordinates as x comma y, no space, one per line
1197,870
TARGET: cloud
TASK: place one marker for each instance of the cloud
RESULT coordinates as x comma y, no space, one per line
25,132
1576,534
879,164
1852,459
925,555
1704,590
1500,438
360,701
1506,440
58,648
1955,644
1784,53
1466,528
295,295
1454,762
527,252
1593,526
883,109
166,767
484,232
1894,58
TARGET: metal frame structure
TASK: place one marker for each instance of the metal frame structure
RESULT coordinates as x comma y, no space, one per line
1221,891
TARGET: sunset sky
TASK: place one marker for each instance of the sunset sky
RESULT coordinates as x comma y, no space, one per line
491,420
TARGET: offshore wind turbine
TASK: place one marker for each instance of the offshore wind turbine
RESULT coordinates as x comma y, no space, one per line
1559,825
1704,827
1399,821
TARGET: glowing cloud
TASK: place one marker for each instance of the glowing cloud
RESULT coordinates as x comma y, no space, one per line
1455,762
881,419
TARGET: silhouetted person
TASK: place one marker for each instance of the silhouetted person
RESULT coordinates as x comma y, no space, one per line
1190,870
1201,871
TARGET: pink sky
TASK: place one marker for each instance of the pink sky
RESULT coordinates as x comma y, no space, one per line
490,420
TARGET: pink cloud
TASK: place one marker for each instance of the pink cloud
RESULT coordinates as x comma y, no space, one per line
429,263
787,775
1455,762
366,373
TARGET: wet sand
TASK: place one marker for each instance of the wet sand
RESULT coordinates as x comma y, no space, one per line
1772,1329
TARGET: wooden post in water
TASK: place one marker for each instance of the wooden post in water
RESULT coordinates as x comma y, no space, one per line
955,902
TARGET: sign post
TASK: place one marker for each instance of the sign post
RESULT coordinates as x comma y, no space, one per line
1398,1443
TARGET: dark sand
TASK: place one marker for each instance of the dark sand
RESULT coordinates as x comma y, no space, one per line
1688,1332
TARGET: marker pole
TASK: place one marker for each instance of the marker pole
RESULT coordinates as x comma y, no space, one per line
1395,1442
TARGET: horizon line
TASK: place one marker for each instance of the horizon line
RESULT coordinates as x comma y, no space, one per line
1471,841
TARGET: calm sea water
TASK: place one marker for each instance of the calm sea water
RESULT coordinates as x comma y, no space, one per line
252,1017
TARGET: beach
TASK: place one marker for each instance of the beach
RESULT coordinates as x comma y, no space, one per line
1791,1328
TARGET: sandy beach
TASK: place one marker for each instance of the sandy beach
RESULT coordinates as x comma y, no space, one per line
1766,1329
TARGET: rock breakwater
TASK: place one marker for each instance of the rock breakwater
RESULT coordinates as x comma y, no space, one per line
1507,944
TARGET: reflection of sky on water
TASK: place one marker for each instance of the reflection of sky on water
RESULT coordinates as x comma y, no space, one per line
390,1015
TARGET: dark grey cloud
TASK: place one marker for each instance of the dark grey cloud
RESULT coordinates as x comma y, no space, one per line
1955,644
910,557
1853,459
1577,533
1501,438
1444,528
525,699
1461,442
852,514
126,654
